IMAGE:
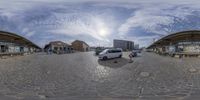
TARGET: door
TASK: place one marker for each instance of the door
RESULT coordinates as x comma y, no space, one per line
21,49
114,53
117,53
109,54
3,49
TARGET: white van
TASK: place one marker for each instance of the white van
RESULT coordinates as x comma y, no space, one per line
110,53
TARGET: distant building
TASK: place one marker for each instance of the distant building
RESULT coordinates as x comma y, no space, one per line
79,45
124,44
93,48
136,46
11,43
58,47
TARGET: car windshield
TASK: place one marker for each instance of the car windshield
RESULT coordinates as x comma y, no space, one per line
99,49
104,51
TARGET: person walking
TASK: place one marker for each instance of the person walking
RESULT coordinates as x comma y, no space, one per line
48,51
131,57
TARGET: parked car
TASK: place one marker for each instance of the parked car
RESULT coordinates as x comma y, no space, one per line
136,52
99,50
110,53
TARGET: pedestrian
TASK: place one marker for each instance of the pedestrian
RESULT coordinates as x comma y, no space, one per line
48,51
131,57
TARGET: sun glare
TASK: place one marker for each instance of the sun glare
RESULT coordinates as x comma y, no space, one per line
103,32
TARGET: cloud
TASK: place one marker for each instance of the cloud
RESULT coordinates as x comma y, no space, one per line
88,25
149,22
159,20
29,34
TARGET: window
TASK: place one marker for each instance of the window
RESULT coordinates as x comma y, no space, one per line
55,48
110,51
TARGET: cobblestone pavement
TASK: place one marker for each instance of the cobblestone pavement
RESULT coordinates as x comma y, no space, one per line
81,76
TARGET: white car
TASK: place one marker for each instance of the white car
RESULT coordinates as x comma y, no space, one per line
135,53
110,53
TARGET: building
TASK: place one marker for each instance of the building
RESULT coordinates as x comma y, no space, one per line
58,47
11,43
79,45
136,46
124,44
93,48
185,43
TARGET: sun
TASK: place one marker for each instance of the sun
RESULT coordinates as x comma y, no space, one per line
103,32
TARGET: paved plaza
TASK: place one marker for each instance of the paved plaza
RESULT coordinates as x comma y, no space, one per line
81,76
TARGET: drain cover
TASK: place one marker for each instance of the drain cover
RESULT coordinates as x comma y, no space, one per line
144,74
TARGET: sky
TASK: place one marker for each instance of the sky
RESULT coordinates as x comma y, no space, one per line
98,22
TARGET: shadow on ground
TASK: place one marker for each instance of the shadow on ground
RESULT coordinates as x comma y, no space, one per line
114,63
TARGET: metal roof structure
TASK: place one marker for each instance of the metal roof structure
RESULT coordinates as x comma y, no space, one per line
191,35
14,38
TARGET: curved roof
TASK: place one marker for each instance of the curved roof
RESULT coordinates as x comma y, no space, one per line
193,35
16,39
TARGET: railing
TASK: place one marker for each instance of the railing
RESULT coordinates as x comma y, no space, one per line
186,54
179,54
13,54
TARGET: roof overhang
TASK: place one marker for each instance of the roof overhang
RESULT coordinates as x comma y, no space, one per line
192,35
11,37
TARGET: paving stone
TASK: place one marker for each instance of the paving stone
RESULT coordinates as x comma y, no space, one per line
144,74
4,57
192,70
82,75
42,96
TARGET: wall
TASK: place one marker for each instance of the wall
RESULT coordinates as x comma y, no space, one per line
85,47
77,46
192,48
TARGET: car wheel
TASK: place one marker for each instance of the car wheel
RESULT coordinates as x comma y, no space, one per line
105,58
120,56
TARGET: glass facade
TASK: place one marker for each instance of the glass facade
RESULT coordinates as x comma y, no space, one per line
181,47
9,47
189,46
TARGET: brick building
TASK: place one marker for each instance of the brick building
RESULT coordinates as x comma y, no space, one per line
79,45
